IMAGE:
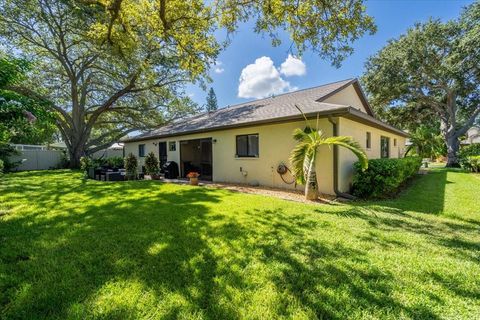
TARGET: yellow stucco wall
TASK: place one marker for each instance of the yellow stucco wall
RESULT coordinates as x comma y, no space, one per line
358,131
348,97
275,145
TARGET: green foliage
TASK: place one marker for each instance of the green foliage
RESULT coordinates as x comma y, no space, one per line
426,143
308,144
115,162
1,166
466,152
149,250
430,76
6,151
64,160
151,164
86,163
22,120
384,177
131,164
118,66
212,104
472,163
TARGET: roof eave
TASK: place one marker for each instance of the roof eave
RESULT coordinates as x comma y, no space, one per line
337,112
360,116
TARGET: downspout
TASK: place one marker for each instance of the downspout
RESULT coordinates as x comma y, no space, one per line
338,193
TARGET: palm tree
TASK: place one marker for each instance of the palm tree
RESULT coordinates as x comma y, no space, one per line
304,155
426,142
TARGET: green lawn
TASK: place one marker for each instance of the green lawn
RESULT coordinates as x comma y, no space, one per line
71,248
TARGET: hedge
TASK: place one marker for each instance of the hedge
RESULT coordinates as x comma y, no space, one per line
384,177
472,163
465,154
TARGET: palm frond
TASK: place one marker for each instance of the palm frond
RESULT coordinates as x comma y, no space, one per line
298,158
352,145
300,135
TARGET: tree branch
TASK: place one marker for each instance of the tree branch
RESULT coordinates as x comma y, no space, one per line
469,123
113,140
32,94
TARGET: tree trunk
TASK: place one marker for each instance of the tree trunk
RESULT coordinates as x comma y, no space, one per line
453,145
77,147
75,154
311,188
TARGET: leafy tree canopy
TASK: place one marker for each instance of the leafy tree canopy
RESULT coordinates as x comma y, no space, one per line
22,120
430,74
110,67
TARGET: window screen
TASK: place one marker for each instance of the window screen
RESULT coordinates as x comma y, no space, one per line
369,140
247,146
141,150
384,147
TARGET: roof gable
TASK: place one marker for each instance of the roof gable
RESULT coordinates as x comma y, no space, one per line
335,97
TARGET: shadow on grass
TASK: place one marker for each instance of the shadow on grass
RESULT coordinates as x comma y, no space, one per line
424,194
186,259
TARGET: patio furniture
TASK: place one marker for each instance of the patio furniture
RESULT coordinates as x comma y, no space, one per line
115,176
170,170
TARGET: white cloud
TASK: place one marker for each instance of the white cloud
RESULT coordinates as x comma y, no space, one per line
293,66
218,67
261,79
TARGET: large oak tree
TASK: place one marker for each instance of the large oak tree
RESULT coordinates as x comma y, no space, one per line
110,67
431,74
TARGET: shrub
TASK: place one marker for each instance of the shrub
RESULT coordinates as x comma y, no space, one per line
151,164
115,162
64,160
1,166
131,165
472,163
383,177
86,163
6,152
466,152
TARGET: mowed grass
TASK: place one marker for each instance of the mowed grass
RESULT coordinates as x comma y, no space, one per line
77,249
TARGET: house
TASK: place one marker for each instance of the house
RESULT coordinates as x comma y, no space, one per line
473,136
246,143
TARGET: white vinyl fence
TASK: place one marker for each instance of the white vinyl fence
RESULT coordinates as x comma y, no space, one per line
37,159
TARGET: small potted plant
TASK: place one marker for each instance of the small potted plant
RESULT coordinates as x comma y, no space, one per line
151,167
193,176
86,164
131,165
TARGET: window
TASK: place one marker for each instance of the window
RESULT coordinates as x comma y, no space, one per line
247,146
384,147
172,146
369,140
394,142
141,150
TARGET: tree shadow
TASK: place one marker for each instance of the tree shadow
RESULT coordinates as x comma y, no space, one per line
425,194
53,262
146,249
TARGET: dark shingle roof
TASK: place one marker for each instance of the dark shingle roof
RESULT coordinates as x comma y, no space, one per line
263,110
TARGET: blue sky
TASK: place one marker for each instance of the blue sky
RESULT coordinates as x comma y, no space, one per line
392,18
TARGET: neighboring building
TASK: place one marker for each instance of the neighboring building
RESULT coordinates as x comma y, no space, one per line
115,150
245,143
473,136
